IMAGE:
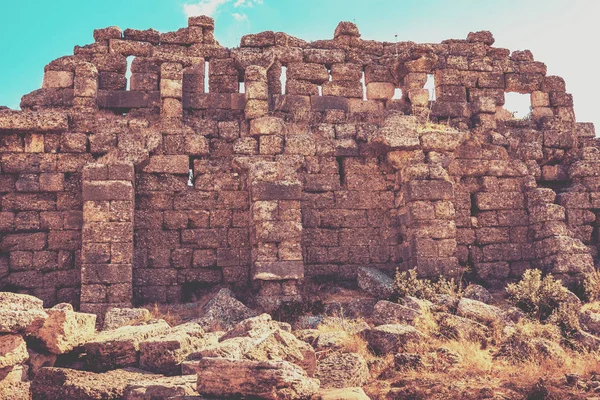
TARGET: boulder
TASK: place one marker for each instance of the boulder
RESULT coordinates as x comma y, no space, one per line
162,388
478,311
354,393
388,339
14,383
375,282
70,384
340,370
479,293
590,321
405,361
262,339
336,340
386,312
13,351
223,311
20,313
164,354
274,380
119,348
66,329
117,317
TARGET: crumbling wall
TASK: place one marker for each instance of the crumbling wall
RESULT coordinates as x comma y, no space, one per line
282,160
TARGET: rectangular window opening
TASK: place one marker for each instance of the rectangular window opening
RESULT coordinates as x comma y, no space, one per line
128,72
364,86
206,72
430,85
283,78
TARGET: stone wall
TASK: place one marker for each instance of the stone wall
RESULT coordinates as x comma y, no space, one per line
283,160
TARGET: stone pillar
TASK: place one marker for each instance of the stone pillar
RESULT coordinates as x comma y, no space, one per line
85,88
257,92
427,219
171,90
107,237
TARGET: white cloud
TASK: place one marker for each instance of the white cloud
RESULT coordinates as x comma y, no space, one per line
210,7
240,17
204,7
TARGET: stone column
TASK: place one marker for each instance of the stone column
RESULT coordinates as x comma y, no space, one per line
257,92
85,88
107,237
171,90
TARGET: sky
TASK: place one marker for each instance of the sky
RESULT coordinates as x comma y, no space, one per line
562,33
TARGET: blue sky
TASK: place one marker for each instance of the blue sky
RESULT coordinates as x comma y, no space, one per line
563,34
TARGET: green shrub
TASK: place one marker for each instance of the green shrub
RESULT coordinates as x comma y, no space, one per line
591,286
566,317
537,297
408,284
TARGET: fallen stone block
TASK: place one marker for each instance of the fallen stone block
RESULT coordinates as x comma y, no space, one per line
120,347
340,370
162,388
118,317
387,339
223,311
20,313
351,393
269,379
375,282
386,312
478,311
13,351
164,354
66,329
70,384
14,383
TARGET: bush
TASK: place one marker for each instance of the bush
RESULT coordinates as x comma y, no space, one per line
537,297
591,286
408,284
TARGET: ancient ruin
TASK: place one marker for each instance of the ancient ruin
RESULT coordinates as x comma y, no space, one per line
283,161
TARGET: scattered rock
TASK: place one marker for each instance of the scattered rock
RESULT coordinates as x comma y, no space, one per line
270,379
223,311
332,340
162,388
375,282
13,351
479,293
65,329
37,361
164,354
119,348
20,313
14,383
118,317
387,339
590,321
478,311
386,312
340,370
70,384
354,393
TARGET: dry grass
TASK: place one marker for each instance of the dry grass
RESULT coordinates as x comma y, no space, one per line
163,312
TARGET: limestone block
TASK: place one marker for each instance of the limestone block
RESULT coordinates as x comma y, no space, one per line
342,370
13,351
315,73
119,348
162,388
271,379
387,339
65,329
380,90
20,313
267,126
375,282
58,79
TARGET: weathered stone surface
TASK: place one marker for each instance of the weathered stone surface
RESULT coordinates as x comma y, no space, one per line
375,282
33,121
119,348
164,354
118,317
270,379
479,293
13,351
65,329
20,313
223,311
162,388
355,393
70,384
386,312
387,339
478,311
340,370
